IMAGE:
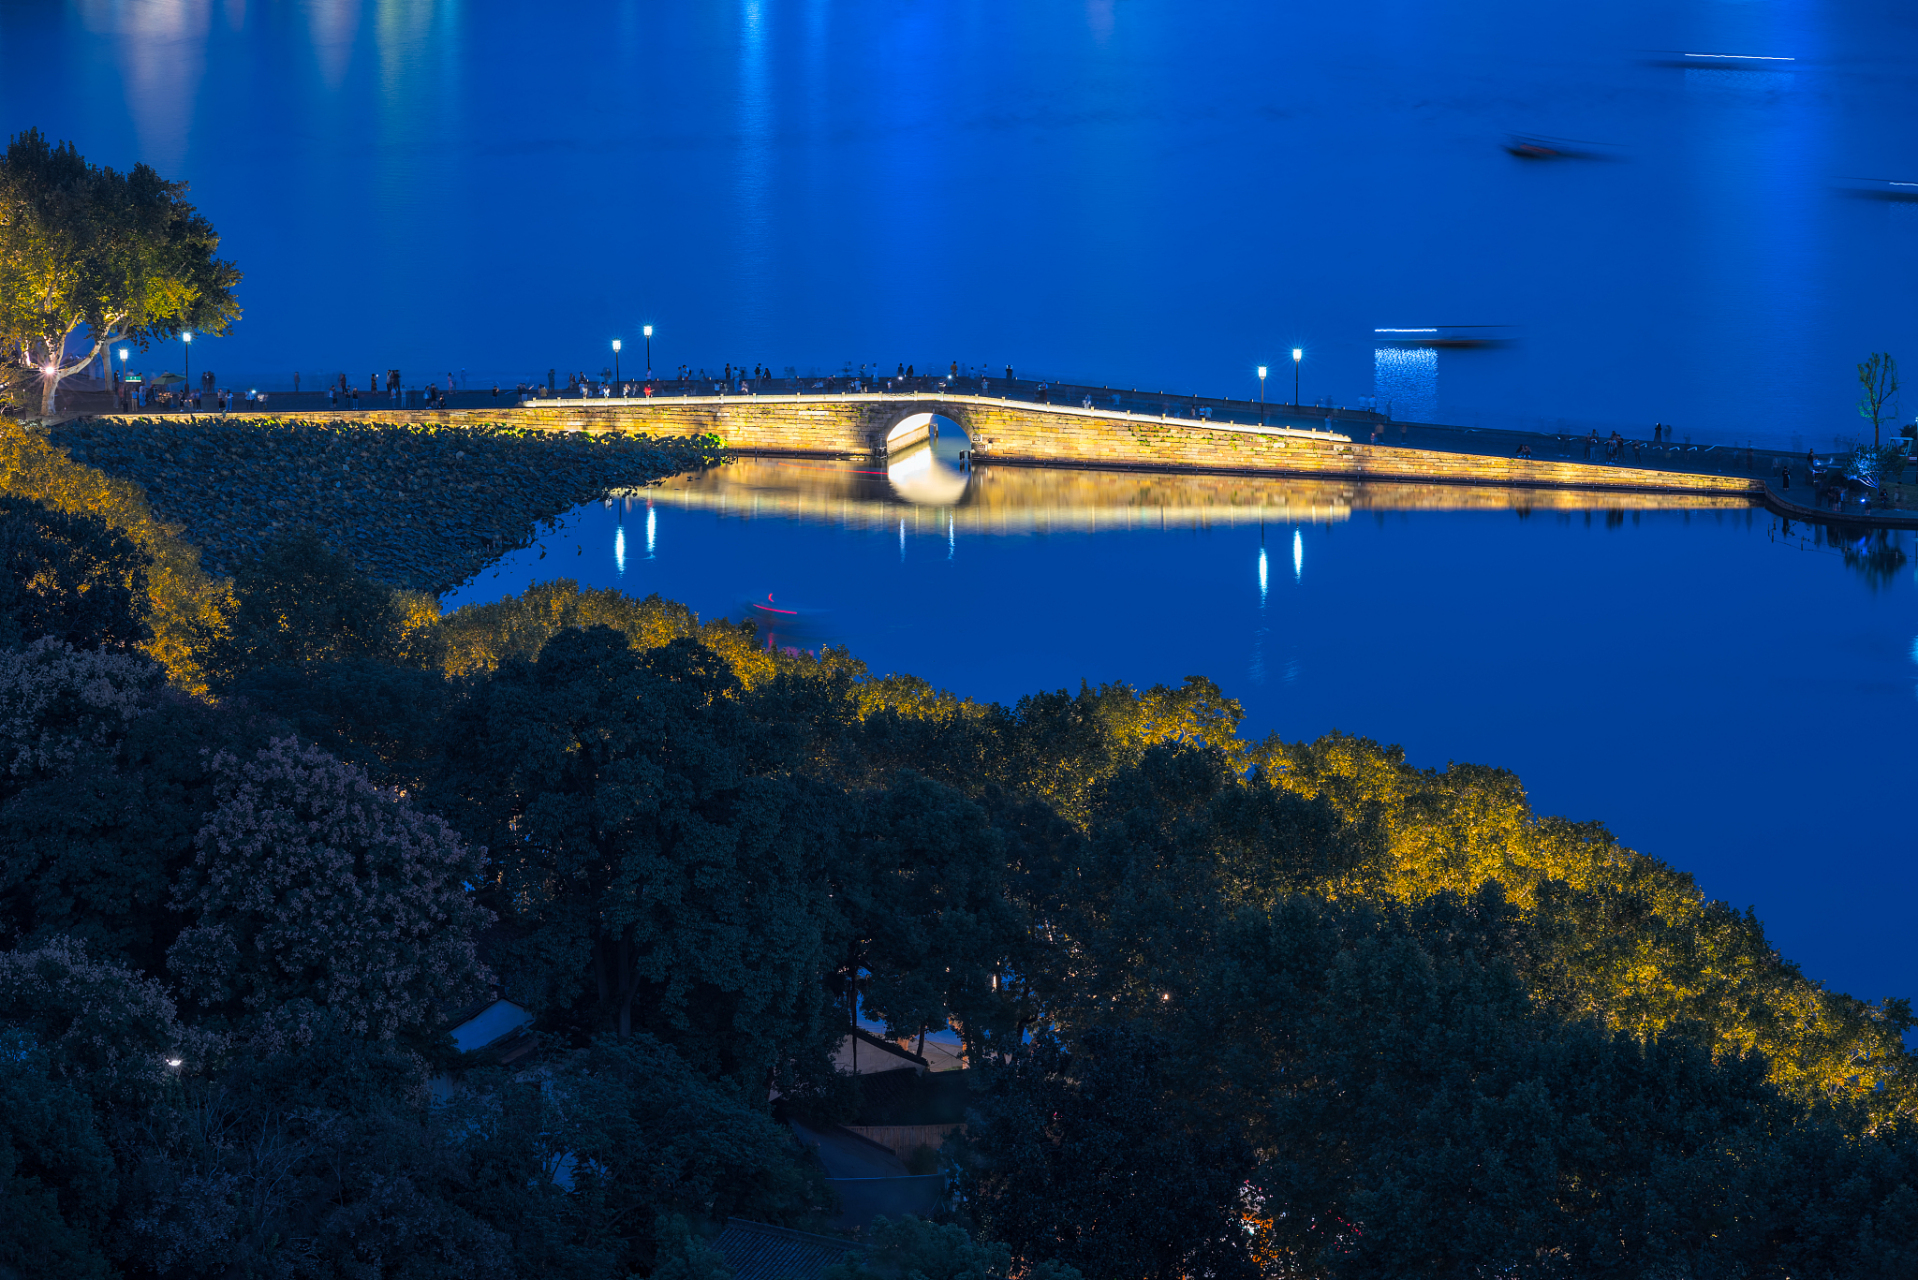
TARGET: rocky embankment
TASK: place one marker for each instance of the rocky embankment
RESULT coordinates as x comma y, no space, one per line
422,507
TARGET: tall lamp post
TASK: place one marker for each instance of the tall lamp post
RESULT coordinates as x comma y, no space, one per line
615,361
187,338
124,353
1261,395
1298,354
648,331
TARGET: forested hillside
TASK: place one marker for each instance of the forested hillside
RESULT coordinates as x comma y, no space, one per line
1235,1008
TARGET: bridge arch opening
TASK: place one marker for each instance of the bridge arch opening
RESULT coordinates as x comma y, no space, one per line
928,459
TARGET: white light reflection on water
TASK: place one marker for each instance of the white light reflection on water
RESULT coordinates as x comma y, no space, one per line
334,26
161,49
1298,556
1405,379
652,526
1262,577
619,550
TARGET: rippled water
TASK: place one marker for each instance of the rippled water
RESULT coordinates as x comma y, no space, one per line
1734,698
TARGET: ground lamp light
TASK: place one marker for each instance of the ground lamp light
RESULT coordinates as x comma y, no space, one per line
1261,395
1298,354
649,350
615,361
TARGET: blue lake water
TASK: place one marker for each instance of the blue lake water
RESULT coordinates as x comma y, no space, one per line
1166,195
1728,697
1160,193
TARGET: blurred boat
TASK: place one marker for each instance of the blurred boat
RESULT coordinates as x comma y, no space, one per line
1449,336
1532,149
1536,146
1880,189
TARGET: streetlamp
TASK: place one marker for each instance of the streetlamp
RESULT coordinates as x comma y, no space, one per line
1298,354
649,350
615,361
1261,395
124,353
187,338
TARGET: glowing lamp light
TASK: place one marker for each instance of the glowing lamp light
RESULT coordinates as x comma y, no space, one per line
648,331
1261,371
1298,354
615,344
187,336
173,1062
124,353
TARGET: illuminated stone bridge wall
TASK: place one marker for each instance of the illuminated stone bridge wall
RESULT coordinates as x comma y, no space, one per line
1011,431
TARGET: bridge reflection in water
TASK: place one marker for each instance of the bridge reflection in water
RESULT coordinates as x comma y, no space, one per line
928,485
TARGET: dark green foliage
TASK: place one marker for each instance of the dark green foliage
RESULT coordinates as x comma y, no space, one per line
618,1138
301,604
1092,1157
69,577
684,1256
662,866
346,662
323,1162
57,1180
110,782
929,920
912,1249
1298,1011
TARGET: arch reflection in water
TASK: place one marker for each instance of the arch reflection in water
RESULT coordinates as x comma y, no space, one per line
1017,500
926,460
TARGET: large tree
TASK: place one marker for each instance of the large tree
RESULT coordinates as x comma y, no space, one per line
69,577
109,256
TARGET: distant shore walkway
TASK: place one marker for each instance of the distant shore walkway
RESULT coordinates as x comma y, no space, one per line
1053,424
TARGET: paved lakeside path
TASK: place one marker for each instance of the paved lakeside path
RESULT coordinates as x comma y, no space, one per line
1327,444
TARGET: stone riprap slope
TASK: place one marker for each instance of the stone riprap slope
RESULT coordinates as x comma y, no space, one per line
422,506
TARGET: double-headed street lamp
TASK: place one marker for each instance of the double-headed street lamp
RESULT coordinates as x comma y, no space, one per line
1261,395
648,331
615,361
1298,354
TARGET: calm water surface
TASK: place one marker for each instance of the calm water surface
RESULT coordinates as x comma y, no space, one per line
1161,193
1729,697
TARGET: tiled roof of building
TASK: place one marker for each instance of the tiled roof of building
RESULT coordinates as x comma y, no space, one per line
756,1251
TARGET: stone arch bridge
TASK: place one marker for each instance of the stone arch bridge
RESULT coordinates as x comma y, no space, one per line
867,426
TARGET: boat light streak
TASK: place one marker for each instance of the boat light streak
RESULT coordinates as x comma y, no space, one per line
1405,331
1741,57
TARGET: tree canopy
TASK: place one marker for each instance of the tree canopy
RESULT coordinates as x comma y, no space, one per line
1231,1008
113,257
